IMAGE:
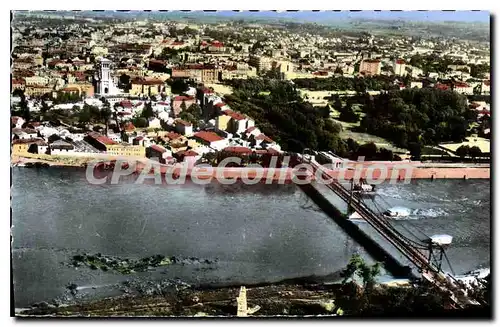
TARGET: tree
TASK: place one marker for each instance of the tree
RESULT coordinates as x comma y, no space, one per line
183,105
475,152
357,266
386,155
53,138
147,112
124,82
105,115
367,150
178,86
348,115
124,136
23,105
140,122
415,149
44,107
352,145
337,103
18,93
463,151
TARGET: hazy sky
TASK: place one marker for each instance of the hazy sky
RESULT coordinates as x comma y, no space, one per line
465,16
331,16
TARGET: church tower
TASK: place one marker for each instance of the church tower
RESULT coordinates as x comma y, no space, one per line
105,84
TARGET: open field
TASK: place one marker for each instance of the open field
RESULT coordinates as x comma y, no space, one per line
221,89
482,143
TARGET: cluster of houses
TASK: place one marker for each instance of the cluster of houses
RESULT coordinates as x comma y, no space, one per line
168,138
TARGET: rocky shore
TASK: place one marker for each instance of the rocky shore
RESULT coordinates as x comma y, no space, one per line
178,299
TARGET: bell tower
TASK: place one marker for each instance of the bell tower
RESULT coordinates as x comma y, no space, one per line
105,83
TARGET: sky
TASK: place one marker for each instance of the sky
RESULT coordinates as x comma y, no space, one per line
325,16
435,16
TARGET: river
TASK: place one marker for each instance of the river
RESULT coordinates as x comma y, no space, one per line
258,233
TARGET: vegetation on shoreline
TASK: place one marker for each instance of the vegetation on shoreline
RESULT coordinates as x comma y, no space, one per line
128,266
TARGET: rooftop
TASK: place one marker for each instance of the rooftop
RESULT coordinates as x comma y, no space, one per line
101,138
238,149
208,136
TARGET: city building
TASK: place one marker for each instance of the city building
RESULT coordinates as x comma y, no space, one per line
184,127
105,83
400,67
370,67
147,87
61,147
25,146
179,100
260,62
211,139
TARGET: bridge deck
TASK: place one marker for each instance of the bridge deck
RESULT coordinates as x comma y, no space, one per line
429,272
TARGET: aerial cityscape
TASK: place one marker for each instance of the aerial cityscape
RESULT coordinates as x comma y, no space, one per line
263,164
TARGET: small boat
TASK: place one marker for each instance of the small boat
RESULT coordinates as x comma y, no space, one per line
363,188
355,217
441,239
397,212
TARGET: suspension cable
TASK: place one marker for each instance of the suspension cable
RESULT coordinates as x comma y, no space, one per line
414,243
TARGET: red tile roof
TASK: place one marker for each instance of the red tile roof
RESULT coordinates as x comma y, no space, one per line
183,98
208,136
250,129
126,104
238,149
237,116
442,86
158,148
187,153
183,122
101,138
29,141
128,126
264,138
220,104
217,44
400,61
147,81
173,135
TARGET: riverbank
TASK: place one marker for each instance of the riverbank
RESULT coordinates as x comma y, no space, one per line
366,170
273,300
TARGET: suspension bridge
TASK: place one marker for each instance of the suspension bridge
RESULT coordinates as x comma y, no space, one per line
428,264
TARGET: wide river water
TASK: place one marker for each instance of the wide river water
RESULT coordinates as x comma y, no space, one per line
259,233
